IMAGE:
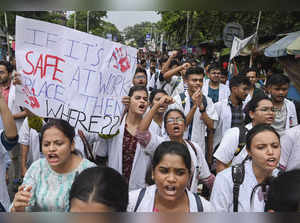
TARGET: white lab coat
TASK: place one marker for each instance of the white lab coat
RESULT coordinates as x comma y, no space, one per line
112,148
224,91
224,120
147,203
200,168
290,149
4,197
228,146
199,127
222,192
291,119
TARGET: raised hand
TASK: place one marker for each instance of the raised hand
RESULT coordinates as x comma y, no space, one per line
22,198
17,79
186,66
166,100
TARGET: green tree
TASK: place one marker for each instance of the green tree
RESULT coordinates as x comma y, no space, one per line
95,20
138,32
57,17
97,26
209,25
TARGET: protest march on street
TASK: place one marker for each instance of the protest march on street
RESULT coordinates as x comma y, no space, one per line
146,122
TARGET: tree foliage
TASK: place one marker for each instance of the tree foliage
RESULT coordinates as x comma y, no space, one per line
97,26
209,25
57,17
138,32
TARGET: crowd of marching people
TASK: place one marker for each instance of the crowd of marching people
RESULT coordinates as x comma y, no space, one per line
192,138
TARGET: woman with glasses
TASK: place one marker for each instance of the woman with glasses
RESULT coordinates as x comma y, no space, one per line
175,124
259,110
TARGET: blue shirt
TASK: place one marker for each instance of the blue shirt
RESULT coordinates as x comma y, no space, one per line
213,94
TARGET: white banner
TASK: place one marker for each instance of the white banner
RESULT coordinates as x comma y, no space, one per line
72,75
238,45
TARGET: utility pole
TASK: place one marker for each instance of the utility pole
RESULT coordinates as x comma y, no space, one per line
187,29
7,36
88,21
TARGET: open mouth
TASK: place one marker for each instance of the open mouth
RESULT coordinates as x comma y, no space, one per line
170,190
52,158
272,162
176,129
142,106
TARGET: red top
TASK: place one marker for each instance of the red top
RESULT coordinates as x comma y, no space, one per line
129,147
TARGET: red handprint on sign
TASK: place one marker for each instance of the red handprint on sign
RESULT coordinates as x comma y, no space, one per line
121,59
31,97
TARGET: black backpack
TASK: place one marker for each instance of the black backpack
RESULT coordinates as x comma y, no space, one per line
142,194
238,171
242,139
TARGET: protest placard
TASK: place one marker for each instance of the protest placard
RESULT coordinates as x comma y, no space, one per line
72,75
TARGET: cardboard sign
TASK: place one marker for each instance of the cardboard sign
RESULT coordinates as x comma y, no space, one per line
72,75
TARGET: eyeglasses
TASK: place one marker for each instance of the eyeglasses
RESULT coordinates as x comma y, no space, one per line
140,77
173,120
266,109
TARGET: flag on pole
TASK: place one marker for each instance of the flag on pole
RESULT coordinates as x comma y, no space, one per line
238,45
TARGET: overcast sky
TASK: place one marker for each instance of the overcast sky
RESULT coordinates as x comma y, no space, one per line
122,19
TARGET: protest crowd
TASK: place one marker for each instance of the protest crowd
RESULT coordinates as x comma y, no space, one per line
194,136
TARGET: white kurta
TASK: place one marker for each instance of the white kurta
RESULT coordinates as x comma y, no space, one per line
147,203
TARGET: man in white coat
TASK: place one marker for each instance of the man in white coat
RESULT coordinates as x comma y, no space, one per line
230,112
214,88
199,118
